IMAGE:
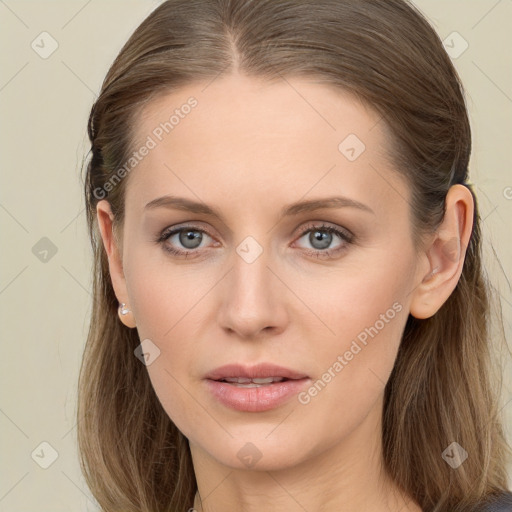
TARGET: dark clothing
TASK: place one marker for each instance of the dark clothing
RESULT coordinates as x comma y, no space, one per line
501,503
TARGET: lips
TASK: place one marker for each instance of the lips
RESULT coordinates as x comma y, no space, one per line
246,374
254,388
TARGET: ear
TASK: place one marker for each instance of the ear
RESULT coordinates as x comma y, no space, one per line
105,224
445,254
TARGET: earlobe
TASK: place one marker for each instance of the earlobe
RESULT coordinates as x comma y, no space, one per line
126,316
445,254
105,219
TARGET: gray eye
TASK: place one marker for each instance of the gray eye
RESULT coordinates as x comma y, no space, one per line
320,239
190,239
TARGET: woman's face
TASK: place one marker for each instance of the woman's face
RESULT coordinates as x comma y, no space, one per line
265,281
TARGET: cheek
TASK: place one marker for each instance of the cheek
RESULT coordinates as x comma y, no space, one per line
162,293
372,292
363,313
166,315
353,366
169,305
360,354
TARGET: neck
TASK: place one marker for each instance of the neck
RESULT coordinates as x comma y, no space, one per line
345,477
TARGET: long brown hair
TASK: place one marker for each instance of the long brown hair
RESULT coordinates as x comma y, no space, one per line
442,388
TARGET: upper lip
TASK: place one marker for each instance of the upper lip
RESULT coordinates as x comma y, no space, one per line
257,371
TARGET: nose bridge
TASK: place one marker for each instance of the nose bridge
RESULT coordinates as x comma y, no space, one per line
250,267
251,300
251,285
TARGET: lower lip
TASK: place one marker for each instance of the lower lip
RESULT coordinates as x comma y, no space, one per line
257,399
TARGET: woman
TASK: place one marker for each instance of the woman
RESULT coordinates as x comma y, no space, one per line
289,305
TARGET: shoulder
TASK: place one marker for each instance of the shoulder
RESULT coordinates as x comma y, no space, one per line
498,503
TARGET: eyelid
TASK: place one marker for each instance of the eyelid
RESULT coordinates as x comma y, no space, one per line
172,230
346,236
319,225
323,226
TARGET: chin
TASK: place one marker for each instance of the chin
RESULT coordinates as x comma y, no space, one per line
251,450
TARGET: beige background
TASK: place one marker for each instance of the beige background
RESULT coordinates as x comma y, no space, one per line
44,104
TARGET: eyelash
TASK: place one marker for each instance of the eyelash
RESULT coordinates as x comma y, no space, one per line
345,236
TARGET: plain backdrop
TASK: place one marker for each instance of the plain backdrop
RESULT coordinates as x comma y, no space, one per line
54,56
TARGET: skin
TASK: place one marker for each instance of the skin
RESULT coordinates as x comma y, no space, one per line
248,149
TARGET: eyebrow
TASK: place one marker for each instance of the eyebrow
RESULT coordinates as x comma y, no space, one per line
181,203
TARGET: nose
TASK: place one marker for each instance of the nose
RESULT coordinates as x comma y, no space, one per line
252,300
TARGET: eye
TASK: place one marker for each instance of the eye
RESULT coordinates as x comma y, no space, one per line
189,238
185,241
321,238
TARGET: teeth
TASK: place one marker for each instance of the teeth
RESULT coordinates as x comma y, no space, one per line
268,380
237,380
245,380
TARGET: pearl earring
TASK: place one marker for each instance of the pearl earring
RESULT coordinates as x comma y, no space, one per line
126,316
123,309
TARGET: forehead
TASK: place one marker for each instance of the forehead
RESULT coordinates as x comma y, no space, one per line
246,140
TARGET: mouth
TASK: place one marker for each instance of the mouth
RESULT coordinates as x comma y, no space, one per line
255,388
244,382
261,374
